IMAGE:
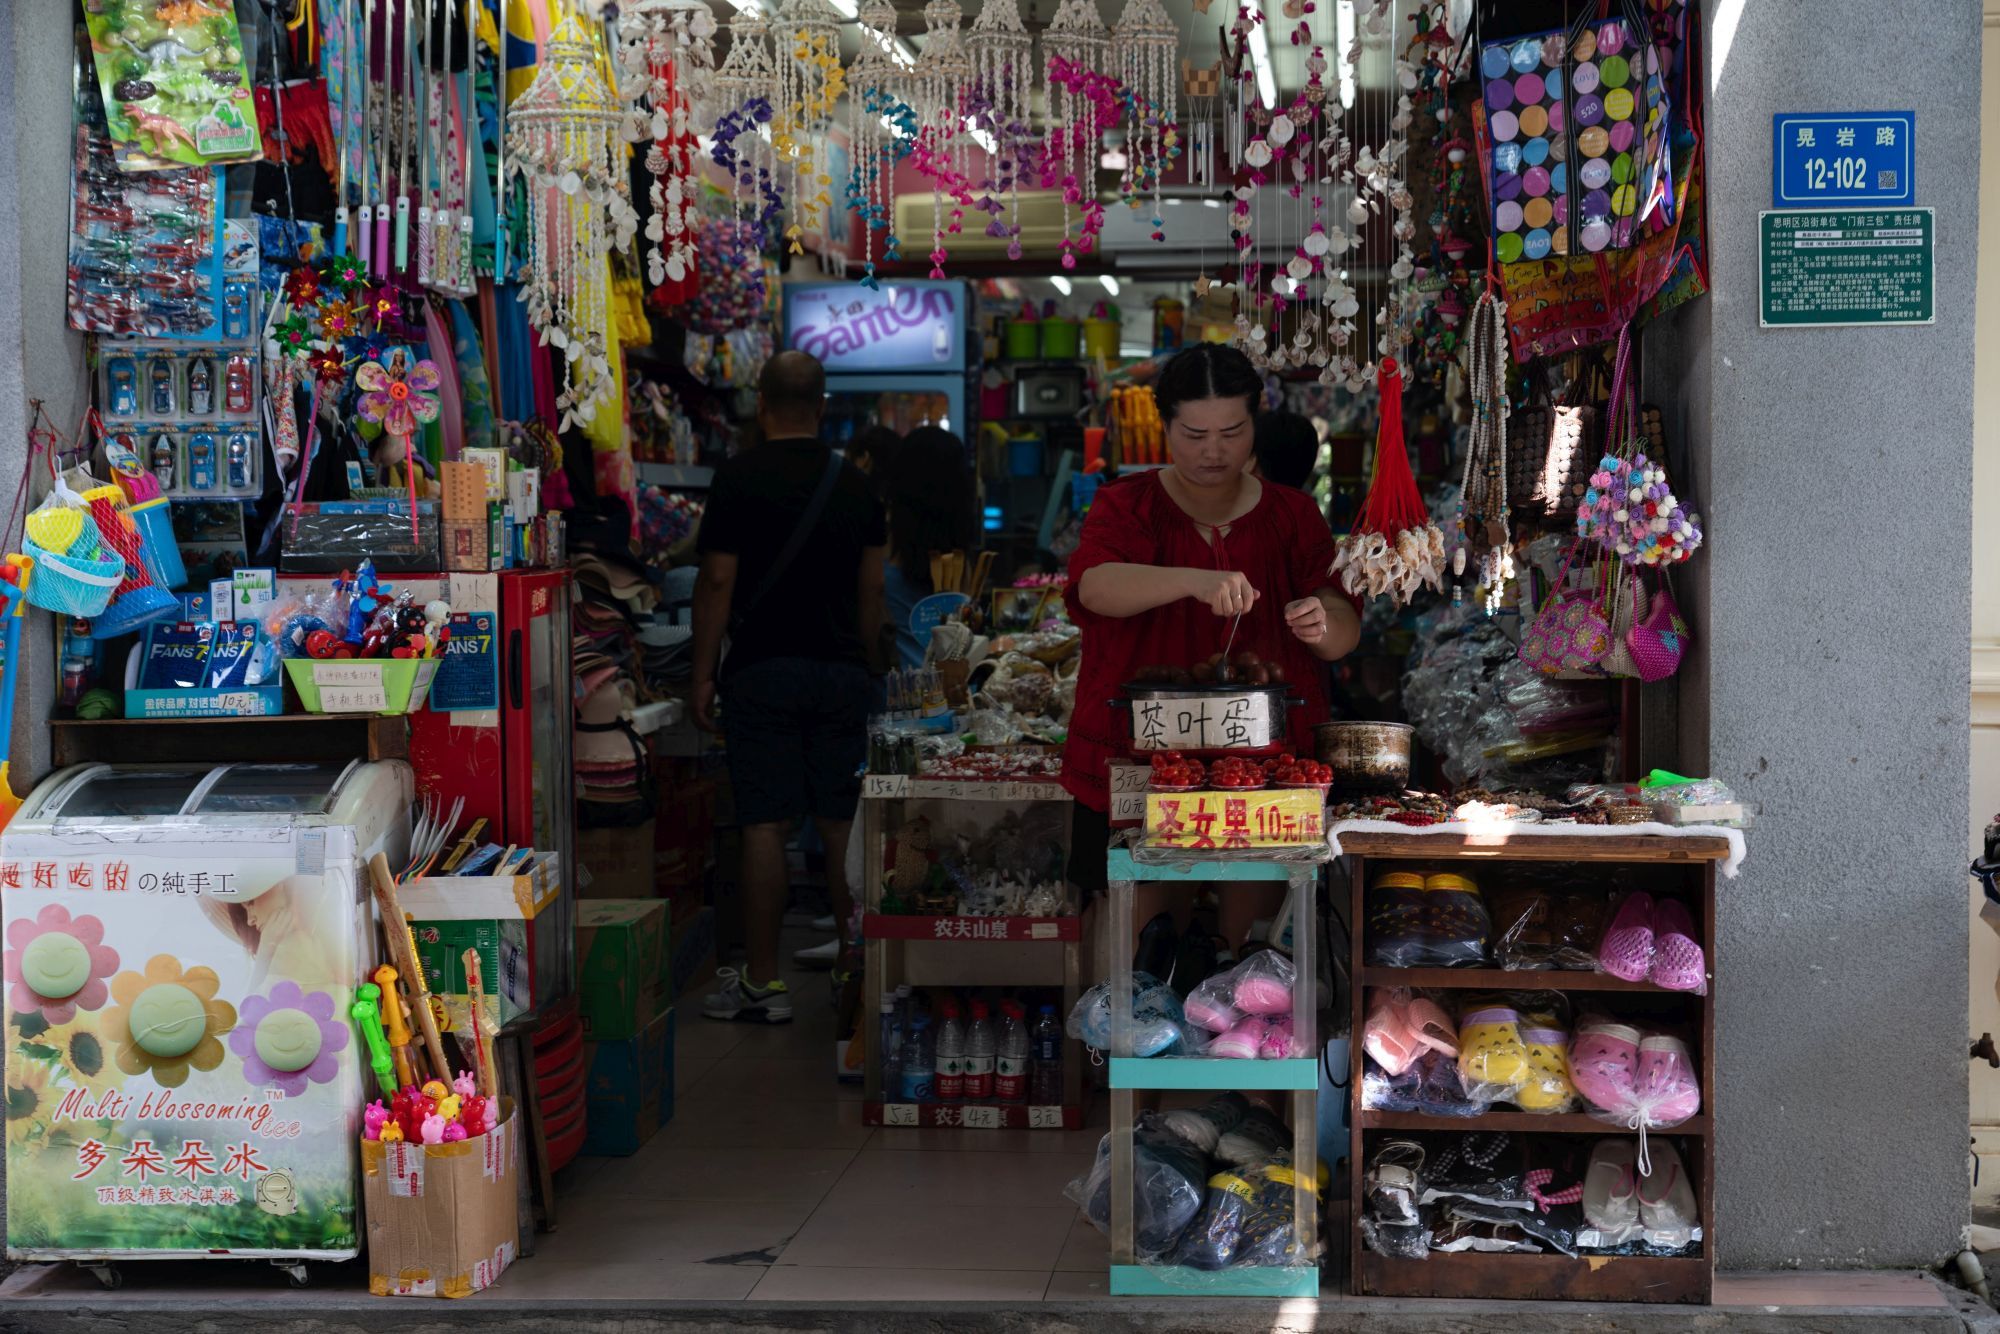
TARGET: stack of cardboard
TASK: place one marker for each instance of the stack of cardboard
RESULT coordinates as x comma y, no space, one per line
625,990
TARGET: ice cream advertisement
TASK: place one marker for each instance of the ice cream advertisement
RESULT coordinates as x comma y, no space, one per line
181,1078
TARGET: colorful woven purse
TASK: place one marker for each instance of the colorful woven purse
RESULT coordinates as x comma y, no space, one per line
1570,632
1659,639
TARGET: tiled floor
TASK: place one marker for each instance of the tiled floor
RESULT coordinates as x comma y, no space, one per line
766,1185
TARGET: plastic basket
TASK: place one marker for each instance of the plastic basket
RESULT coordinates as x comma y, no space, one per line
362,685
138,607
72,587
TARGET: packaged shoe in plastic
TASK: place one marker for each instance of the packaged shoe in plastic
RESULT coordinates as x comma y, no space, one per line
1261,985
1168,1177
1485,1166
1384,1092
1546,924
1158,1027
1416,921
1261,1138
1205,1125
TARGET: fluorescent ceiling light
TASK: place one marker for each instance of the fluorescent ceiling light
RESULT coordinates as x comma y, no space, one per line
1344,42
1260,57
1061,284
1110,283
848,8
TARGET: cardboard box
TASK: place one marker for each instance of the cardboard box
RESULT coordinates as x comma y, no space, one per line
694,952
495,915
620,861
624,967
630,1093
442,1218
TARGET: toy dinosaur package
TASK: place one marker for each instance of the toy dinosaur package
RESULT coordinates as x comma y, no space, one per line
175,88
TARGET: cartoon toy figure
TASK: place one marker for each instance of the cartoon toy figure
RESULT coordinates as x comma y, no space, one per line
373,1119
454,1132
433,1129
276,1194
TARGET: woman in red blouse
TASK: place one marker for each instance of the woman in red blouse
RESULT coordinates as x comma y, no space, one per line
1168,559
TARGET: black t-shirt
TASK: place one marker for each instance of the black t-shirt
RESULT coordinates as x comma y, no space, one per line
756,502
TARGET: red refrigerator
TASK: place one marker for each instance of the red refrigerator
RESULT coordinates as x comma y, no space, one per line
510,762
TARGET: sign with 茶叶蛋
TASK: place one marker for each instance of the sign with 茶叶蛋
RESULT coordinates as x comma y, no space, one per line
1206,722
1847,266
1843,158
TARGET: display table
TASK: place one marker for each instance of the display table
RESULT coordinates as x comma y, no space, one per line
1683,865
1298,1077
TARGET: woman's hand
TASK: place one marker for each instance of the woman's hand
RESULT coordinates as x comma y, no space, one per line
1226,592
1306,619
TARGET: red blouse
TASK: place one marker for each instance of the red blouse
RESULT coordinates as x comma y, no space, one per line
1282,546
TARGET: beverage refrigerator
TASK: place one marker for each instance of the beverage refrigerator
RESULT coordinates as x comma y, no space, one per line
897,355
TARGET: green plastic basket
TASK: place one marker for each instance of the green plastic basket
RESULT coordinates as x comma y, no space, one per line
362,685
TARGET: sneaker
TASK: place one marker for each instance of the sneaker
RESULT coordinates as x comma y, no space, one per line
1203,1126
1261,1138
823,923
819,956
741,1001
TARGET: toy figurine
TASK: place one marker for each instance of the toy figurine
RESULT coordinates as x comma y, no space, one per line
448,1106
391,1133
465,1086
373,1119
454,1132
433,1129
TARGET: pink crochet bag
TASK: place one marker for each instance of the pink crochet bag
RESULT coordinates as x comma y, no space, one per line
1658,639
1570,633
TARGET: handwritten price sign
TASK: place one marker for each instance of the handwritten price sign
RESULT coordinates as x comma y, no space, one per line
1280,817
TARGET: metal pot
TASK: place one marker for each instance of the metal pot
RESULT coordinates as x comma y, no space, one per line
1365,757
1208,720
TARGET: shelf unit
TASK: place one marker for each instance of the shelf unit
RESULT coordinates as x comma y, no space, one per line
985,951
1686,864
297,737
1299,1078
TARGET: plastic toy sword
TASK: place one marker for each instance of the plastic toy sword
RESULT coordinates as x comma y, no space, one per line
366,243
424,237
367,1015
346,118
406,159
391,1019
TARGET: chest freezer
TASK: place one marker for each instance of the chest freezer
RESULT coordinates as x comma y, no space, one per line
181,948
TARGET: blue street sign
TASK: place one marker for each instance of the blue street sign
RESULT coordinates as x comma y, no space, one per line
1830,159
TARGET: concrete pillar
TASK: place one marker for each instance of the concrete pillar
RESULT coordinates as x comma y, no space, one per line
1831,681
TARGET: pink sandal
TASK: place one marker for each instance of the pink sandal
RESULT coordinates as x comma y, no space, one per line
1241,1043
1627,949
1279,1043
1604,1065
1386,1034
1678,963
1667,1091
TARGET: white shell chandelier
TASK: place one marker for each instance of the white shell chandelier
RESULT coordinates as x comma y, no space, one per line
807,85
742,87
880,124
1078,37
563,137
944,71
667,56
1146,41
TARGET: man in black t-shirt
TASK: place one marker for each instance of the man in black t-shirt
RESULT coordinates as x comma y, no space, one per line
792,549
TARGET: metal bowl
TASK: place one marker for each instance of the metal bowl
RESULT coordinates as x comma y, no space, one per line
1365,757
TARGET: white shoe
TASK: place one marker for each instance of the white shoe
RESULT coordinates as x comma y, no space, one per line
737,999
823,923
819,956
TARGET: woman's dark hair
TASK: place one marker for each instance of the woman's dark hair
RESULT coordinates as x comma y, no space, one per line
927,489
872,450
1287,448
1207,370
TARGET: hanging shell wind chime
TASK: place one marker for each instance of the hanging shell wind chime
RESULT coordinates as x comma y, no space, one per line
944,70
1394,549
1146,41
1004,84
563,137
742,96
668,56
1076,40
807,85
881,128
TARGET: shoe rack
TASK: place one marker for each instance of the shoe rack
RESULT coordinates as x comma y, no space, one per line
1298,1077
1682,867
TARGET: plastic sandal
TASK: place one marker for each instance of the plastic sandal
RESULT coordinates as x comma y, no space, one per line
1547,1087
1666,1091
1627,948
1242,1042
1492,1059
1678,962
1212,1015
1666,1201
1610,1195
1279,1042
1604,1065
1430,1026
1386,1035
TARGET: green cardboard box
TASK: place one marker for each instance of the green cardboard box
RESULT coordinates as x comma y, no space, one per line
631,1090
624,968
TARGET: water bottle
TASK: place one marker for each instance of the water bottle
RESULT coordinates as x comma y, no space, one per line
950,1054
981,1047
1046,1083
1010,1080
918,1077
891,1047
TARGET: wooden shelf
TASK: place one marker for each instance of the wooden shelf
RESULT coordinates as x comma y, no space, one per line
1501,979
1595,1278
1521,1123
1520,846
294,738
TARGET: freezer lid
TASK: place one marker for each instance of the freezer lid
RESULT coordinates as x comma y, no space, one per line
112,792
270,789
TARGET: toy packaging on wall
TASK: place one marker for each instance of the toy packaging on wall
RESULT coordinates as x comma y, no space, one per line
187,416
174,86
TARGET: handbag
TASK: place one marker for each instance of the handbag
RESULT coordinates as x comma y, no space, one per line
1658,640
1570,632
1629,606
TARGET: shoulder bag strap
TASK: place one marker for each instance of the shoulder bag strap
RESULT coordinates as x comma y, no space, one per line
808,520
